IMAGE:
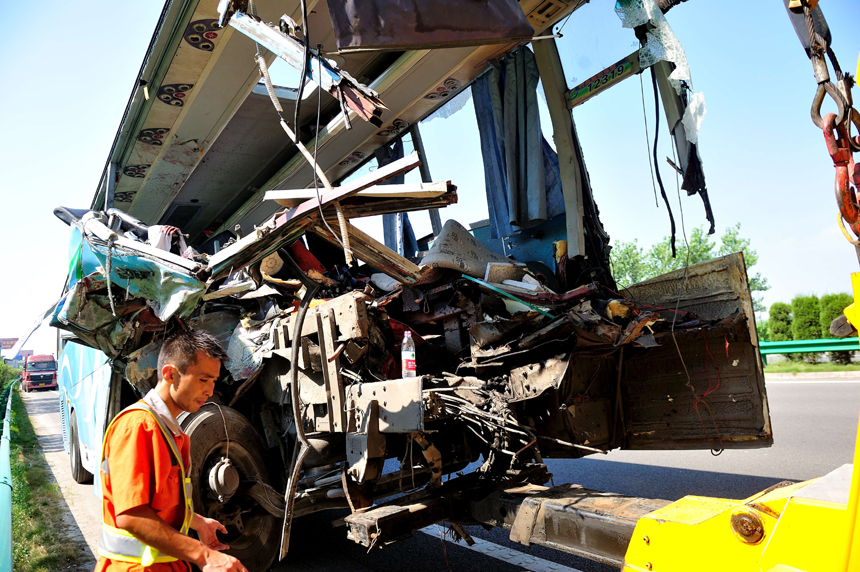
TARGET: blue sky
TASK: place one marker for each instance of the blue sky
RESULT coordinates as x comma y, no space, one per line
68,71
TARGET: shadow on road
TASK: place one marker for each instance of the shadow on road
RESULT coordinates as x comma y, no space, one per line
51,443
656,482
424,552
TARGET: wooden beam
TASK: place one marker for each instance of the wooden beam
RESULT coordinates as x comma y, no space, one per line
374,253
293,197
353,187
290,225
383,206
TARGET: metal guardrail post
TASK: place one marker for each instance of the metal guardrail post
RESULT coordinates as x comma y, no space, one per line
6,489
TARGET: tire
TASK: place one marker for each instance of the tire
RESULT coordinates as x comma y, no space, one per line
257,546
79,473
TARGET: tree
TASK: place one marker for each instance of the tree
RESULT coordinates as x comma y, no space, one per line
732,242
779,326
628,261
763,331
806,321
779,322
832,306
631,264
7,373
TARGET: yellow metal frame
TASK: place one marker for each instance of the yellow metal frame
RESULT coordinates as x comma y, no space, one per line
851,559
775,530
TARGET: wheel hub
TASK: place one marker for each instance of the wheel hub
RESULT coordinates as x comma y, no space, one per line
223,480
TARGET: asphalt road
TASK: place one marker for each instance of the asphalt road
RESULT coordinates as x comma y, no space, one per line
814,426
84,515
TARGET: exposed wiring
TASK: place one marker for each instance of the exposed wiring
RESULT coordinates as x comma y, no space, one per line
305,64
698,400
444,548
648,139
316,146
563,24
224,421
710,389
657,166
108,264
264,73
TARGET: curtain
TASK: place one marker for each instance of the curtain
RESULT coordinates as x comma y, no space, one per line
397,230
520,168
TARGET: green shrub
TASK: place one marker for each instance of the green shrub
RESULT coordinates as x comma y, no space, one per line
806,321
8,373
779,322
763,331
779,326
832,306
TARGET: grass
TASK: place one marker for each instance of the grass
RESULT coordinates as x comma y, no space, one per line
40,538
803,367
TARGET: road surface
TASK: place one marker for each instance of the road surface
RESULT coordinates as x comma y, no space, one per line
814,424
84,513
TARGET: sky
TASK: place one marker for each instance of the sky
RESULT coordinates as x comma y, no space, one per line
64,88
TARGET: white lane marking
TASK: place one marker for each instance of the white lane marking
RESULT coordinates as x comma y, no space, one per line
800,381
515,557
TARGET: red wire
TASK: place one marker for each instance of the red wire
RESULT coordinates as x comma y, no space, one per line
716,367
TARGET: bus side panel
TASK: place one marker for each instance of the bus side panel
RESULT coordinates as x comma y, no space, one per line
99,387
84,384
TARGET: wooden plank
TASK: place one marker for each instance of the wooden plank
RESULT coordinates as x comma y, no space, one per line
287,226
374,253
391,170
293,197
387,206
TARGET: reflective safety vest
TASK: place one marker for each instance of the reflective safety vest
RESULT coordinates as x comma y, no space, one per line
120,545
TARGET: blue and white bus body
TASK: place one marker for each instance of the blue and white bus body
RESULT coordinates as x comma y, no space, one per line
84,374
84,386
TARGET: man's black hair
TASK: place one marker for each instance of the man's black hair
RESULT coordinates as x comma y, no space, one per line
181,348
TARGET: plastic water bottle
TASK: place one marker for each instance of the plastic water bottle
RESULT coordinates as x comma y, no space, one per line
407,355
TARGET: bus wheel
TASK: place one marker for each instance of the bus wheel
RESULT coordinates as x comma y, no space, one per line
79,473
253,534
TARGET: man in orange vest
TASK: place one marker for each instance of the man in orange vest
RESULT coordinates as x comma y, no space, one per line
147,501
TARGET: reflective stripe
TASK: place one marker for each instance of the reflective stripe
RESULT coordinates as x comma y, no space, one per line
121,545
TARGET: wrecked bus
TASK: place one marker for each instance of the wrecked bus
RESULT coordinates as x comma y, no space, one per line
226,204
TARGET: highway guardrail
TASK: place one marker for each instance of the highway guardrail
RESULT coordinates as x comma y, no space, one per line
6,487
808,346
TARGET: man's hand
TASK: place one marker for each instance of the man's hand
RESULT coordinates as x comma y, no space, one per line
220,562
145,524
208,529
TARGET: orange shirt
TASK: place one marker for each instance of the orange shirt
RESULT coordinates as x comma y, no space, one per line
142,471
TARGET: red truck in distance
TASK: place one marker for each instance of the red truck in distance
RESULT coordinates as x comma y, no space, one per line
40,372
